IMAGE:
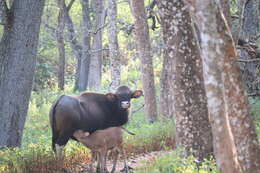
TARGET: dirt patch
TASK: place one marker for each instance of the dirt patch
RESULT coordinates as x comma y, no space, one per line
132,161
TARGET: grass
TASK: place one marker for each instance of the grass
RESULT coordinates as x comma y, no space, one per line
173,162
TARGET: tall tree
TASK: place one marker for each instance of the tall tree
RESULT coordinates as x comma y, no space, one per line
186,83
114,54
61,49
166,98
236,145
95,68
144,50
80,52
224,146
18,49
86,36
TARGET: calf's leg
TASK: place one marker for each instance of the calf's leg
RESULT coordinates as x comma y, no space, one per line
116,153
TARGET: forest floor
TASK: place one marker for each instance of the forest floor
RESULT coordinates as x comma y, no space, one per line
134,162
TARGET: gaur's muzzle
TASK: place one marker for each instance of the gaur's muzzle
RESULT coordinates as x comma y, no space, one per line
125,104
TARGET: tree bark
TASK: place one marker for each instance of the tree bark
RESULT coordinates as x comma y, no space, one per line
238,108
95,68
236,146
224,146
85,59
61,49
144,50
193,130
18,49
166,98
114,54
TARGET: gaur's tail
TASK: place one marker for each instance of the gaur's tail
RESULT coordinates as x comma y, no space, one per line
131,133
55,134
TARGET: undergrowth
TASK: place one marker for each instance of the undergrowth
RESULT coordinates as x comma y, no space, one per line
173,162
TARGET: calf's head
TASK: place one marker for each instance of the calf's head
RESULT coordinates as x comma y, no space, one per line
123,95
80,134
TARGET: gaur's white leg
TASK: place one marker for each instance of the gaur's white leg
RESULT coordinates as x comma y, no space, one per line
59,151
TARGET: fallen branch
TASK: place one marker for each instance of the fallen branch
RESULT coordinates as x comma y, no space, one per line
138,109
249,60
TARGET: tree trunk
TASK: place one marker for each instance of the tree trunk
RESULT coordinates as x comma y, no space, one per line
144,51
81,76
61,49
114,54
95,69
235,151
85,59
18,49
224,146
236,99
166,98
193,130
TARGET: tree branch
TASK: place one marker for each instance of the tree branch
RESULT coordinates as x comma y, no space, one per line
76,47
249,60
70,5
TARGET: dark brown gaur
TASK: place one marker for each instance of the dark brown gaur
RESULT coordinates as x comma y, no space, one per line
88,112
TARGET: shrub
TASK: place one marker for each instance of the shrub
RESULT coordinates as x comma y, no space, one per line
173,162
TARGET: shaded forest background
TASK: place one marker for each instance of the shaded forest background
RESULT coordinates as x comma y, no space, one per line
73,56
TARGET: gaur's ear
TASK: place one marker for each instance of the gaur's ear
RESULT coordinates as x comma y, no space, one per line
111,96
137,94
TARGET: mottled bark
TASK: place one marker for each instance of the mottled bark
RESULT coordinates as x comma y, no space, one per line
61,49
166,97
193,130
224,146
114,54
95,68
235,145
144,50
18,49
241,122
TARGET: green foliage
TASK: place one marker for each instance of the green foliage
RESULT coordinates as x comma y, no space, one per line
173,162
149,137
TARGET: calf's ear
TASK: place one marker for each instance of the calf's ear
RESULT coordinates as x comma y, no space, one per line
137,94
111,97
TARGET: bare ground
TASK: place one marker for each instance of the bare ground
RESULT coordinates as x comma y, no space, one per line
134,162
